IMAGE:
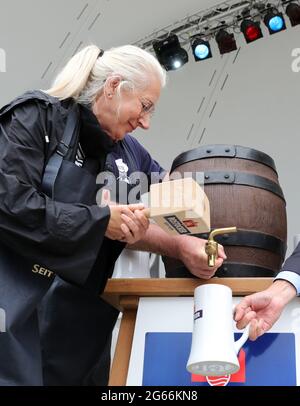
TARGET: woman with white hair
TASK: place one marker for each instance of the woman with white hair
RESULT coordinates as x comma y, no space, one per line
50,222
53,144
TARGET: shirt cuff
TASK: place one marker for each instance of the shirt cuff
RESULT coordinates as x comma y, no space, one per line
291,277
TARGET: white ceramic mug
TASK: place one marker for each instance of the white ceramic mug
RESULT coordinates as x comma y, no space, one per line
214,351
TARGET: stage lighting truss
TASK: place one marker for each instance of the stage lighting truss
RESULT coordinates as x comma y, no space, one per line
232,16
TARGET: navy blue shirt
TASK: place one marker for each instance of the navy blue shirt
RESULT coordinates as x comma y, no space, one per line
134,168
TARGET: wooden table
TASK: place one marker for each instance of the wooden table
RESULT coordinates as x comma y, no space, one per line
124,294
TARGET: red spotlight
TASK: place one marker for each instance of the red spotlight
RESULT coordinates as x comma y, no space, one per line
251,30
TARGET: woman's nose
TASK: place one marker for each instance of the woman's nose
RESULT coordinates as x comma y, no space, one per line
144,121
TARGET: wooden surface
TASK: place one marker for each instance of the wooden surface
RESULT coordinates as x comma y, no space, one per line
117,288
125,293
119,370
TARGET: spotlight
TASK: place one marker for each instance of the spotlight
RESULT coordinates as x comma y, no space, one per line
169,52
293,12
201,49
251,30
225,41
274,21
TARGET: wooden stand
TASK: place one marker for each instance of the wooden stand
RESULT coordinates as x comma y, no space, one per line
124,294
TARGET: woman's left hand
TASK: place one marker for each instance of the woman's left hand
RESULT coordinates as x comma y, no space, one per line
135,226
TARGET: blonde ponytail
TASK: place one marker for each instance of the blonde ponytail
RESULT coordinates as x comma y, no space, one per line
74,76
85,74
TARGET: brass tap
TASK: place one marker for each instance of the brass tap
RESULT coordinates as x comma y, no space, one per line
211,247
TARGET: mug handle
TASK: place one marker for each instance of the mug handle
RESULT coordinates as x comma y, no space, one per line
241,341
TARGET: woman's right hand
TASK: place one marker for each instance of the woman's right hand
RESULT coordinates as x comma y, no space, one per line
127,223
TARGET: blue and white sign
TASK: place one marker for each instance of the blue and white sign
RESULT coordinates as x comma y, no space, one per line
162,343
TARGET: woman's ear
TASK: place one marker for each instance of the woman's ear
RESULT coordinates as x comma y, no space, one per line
111,85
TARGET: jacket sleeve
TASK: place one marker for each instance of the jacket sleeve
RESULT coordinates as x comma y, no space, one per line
292,264
63,237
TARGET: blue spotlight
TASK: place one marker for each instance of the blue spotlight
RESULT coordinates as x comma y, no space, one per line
201,49
274,21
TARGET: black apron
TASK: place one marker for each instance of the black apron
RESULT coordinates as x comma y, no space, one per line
76,326
24,282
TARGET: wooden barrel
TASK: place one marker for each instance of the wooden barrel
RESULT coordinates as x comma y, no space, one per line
243,190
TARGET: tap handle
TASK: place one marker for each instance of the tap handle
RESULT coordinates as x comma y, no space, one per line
211,247
218,231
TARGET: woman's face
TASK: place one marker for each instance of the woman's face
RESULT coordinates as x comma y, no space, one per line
120,116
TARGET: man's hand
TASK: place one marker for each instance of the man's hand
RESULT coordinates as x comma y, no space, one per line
191,251
264,308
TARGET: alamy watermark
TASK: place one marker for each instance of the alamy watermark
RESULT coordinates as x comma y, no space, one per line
296,62
2,320
130,190
2,61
